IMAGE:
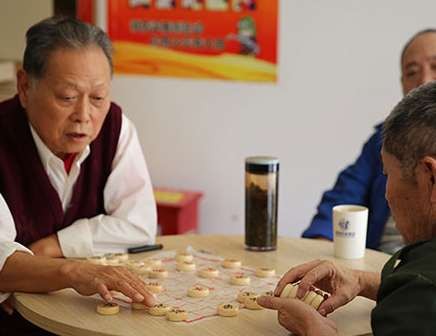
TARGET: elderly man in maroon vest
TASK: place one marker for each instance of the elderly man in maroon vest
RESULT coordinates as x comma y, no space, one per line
73,180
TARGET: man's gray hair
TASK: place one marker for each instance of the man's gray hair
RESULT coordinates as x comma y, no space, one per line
55,33
409,132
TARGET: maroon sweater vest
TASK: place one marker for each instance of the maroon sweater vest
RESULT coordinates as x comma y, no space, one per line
34,203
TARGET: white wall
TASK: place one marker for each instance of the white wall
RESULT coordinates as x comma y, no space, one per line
16,16
339,76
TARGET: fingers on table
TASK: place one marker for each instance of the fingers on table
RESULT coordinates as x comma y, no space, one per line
148,298
122,280
126,287
103,290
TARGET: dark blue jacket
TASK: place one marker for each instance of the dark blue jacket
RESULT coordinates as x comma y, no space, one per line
361,183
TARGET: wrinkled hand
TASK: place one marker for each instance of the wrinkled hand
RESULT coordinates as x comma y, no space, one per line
8,306
342,283
48,247
89,279
299,317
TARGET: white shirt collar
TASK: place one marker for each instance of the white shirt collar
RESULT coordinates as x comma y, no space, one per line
47,155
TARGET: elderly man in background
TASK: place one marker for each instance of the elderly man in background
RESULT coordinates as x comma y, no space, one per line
363,182
406,290
73,179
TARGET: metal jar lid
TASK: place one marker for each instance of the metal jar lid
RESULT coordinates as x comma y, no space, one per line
262,164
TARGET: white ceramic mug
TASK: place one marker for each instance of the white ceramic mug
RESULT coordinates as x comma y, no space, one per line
349,230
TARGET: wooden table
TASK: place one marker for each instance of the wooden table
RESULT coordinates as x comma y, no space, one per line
67,313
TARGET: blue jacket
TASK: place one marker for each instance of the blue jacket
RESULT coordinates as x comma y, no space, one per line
361,183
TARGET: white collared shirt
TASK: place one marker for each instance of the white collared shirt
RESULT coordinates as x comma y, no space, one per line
128,201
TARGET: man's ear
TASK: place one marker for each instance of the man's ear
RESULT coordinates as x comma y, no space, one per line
429,165
23,85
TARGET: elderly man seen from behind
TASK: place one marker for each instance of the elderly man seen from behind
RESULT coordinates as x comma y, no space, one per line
406,289
73,180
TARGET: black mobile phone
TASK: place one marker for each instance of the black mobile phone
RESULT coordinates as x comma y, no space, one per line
144,248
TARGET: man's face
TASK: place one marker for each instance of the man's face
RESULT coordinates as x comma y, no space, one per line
419,62
409,199
68,105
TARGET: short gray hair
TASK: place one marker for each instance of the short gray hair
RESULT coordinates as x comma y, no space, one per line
55,33
409,132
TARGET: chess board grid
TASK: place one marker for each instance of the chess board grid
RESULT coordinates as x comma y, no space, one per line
177,284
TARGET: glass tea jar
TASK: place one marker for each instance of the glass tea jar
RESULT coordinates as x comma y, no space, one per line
261,197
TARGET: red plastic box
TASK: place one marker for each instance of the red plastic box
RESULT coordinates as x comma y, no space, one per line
177,210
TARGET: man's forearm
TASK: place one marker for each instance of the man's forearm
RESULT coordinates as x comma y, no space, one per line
27,273
369,284
48,246
37,274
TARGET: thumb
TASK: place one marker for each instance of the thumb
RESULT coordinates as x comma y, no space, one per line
270,302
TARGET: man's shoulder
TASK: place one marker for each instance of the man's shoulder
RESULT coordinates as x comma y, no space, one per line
377,133
418,260
371,148
410,291
114,117
9,105
110,132
115,108
421,250
378,128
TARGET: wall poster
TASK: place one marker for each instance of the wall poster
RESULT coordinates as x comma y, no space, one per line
216,39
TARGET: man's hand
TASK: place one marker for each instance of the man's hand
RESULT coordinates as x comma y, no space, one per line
48,247
299,317
342,283
89,279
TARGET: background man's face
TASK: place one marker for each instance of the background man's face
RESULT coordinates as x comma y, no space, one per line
419,62
68,105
